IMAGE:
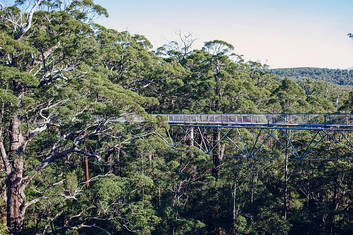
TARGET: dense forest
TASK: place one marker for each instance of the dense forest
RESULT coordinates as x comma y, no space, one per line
336,76
64,83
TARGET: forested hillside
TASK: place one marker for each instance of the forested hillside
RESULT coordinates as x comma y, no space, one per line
64,83
336,76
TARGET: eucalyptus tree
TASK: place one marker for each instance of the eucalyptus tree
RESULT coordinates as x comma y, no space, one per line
52,89
288,97
130,62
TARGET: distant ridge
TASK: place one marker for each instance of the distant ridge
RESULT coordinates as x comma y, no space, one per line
335,76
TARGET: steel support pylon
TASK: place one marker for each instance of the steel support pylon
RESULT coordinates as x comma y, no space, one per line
266,142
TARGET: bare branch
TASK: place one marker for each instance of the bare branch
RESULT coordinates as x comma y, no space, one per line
5,159
23,30
186,41
74,217
47,119
42,126
57,155
80,226
4,156
51,219
88,154
49,187
2,5
54,156
37,131
95,178
12,20
29,203
46,54
71,196
90,226
50,77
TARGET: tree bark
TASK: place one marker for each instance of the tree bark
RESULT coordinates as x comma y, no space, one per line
15,198
216,152
192,138
3,211
285,195
217,155
15,183
14,164
234,205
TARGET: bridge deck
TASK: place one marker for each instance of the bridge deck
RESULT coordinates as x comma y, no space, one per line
282,121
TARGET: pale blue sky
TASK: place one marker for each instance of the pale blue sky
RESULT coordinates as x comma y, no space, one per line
280,33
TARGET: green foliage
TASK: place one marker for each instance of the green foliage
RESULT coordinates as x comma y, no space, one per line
335,76
348,104
77,88
3,229
141,217
7,97
288,97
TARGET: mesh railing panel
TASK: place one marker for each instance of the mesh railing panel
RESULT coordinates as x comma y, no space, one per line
278,119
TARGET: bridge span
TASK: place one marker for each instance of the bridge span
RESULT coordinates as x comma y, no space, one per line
254,135
315,121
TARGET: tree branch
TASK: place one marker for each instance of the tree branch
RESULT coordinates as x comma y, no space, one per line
4,156
52,77
54,156
5,159
95,178
71,196
29,203
37,131
80,226
50,220
23,30
90,226
88,154
57,155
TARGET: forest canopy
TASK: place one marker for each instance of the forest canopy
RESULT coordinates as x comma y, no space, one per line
335,76
69,165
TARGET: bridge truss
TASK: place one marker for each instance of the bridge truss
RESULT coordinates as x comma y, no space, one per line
258,136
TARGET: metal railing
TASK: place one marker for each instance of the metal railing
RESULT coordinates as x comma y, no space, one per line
335,120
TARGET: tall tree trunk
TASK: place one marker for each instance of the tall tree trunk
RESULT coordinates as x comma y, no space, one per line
216,152
234,205
285,195
219,150
15,198
3,213
15,183
192,139
252,186
4,168
334,206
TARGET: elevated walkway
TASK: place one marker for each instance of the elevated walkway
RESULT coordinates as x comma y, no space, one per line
315,121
